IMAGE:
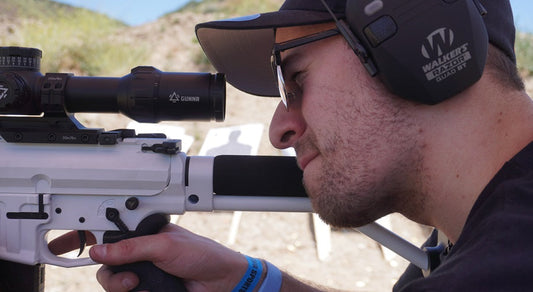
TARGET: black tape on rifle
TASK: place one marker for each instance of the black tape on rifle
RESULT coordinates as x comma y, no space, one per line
257,176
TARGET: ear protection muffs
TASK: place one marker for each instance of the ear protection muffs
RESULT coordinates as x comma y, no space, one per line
423,50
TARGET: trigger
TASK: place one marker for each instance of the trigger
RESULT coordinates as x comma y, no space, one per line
83,241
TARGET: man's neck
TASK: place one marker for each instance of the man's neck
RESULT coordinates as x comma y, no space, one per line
467,142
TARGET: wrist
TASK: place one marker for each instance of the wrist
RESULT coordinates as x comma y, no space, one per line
251,277
260,276
272,279
263,276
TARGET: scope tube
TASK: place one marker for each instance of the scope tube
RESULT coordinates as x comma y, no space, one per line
150,95
92,94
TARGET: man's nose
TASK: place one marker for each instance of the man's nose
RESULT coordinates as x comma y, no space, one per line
286,127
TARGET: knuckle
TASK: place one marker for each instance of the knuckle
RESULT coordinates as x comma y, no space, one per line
125,247
166,238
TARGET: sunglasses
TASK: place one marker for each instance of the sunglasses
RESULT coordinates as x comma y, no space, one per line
286,95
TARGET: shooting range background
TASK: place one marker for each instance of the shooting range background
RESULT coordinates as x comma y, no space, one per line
355,263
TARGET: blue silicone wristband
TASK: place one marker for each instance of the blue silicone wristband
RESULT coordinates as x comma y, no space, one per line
251,277
272,281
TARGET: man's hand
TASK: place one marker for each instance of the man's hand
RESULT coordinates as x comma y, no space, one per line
203,264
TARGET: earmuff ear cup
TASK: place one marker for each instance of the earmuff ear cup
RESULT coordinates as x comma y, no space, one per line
424,50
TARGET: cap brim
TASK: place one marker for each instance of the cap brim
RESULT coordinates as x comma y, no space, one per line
241,47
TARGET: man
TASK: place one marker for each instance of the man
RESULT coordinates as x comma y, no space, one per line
457,157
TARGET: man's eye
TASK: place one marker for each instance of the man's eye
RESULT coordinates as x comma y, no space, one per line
296,83
293,89
291,97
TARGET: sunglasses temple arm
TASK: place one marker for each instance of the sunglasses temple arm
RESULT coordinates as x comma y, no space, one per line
353,42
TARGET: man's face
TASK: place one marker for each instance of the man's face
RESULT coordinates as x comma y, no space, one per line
354,141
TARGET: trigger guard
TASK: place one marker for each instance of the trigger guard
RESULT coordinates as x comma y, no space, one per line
45,256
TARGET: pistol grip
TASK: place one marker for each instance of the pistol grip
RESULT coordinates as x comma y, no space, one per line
151,277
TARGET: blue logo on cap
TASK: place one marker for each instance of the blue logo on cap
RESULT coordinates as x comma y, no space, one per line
243,18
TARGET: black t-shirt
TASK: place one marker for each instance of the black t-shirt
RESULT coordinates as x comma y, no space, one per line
495,250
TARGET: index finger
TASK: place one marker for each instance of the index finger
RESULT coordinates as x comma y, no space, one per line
69,242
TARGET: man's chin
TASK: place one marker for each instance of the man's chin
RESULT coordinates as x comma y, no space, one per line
338,221
335,212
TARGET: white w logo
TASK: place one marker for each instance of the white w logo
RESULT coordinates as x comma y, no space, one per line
436,43
3,92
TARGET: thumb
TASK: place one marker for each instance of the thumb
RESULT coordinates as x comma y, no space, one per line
98,253
143,248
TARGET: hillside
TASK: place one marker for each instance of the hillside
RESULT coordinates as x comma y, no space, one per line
72,39
230,8
87,43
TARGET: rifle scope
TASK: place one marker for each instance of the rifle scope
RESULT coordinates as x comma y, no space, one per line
145,95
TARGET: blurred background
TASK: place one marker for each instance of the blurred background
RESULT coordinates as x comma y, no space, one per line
109,38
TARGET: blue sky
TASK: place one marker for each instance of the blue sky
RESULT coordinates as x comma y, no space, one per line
135,12
522,13
132,12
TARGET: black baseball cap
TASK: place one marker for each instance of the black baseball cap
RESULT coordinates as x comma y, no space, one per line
242,47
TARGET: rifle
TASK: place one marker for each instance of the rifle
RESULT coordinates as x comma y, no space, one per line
56,174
